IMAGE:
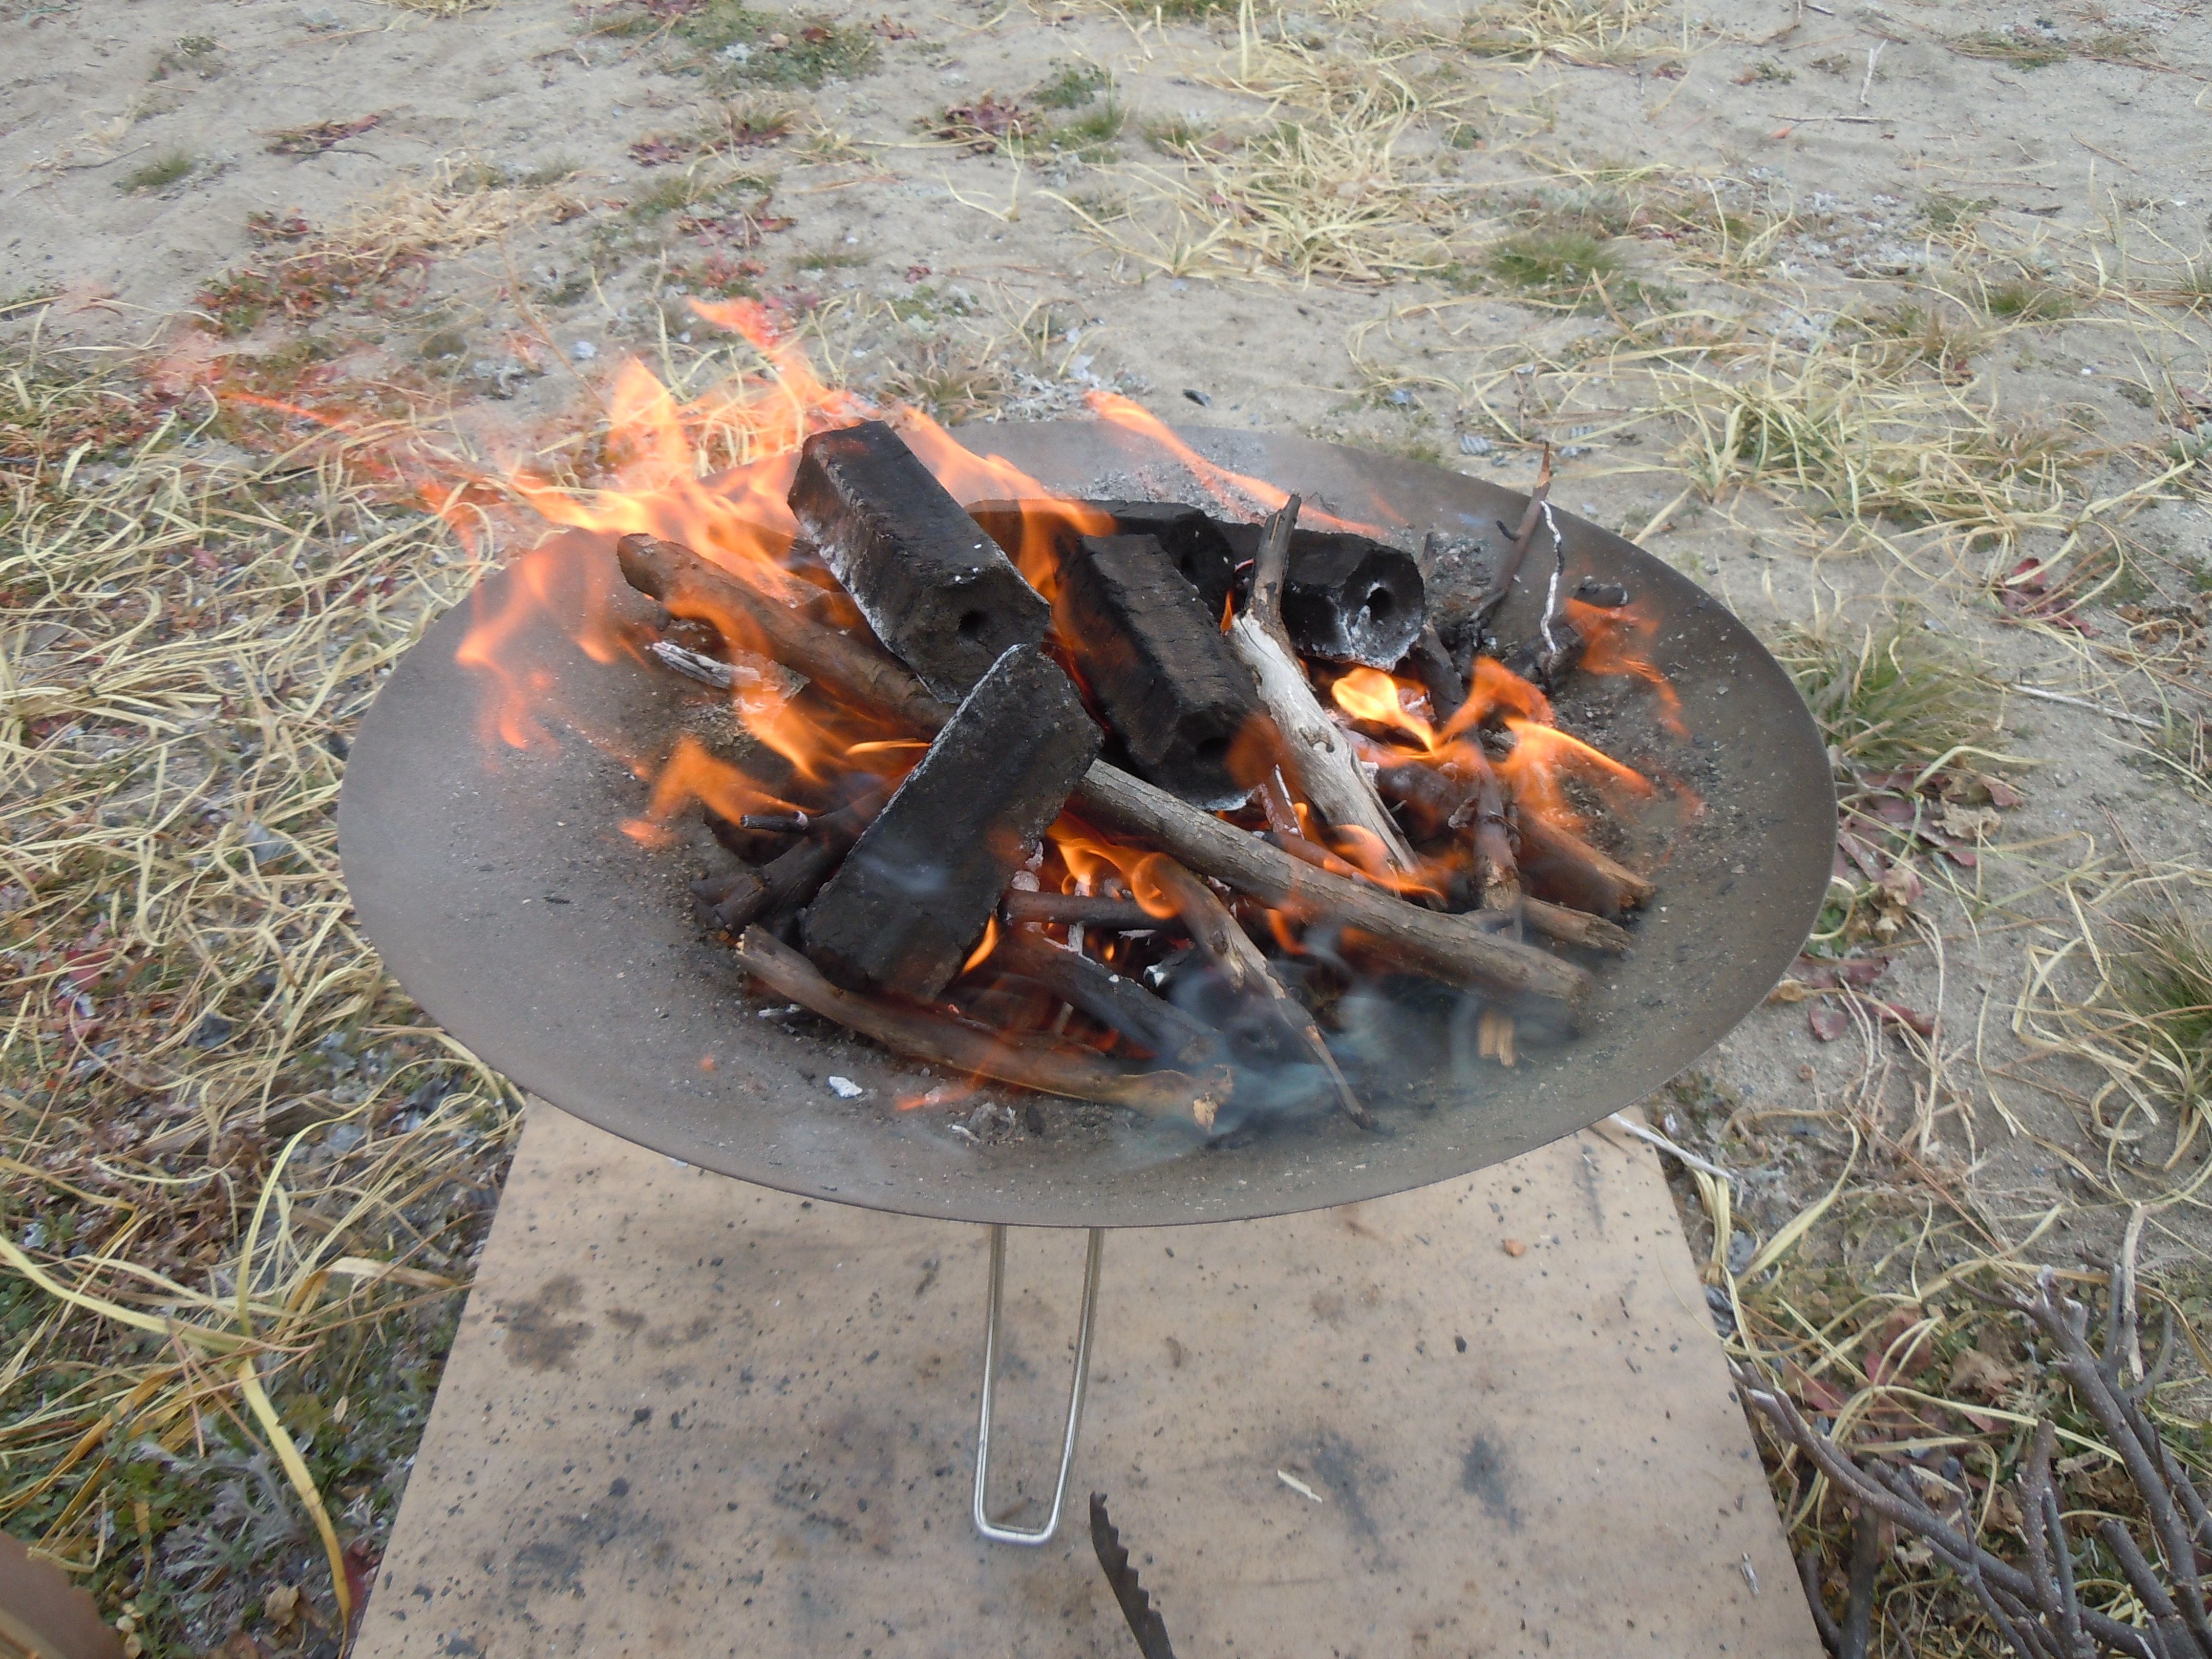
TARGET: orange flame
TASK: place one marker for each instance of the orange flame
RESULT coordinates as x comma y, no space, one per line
1607,651
1368,694
1239,492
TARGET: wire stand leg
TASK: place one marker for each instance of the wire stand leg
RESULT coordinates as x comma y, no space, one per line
996,1533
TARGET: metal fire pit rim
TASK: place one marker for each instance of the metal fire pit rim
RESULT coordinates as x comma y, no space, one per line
445,893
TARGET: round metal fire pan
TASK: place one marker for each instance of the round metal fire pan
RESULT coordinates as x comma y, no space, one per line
500,890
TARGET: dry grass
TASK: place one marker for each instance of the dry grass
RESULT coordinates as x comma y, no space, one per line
307,271
1589,31
1892,699
1827,428
1325,189
245,1178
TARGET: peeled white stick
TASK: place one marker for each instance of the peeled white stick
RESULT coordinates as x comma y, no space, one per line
1328,767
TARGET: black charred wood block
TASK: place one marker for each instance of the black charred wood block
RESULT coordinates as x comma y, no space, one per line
1345,598
1194,542
1155,659
936,589
911,898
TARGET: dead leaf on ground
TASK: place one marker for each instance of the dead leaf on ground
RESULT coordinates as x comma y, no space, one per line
1978,1373
314,140
986,124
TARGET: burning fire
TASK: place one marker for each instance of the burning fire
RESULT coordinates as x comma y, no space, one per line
663,480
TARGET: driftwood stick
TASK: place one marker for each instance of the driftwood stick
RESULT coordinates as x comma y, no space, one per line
1230,950
1445,801
1328,771
780,886
1858,1609
1501,585
1439,675
1823,1622
689,587
1562,866
1571,927
922,1035
1456,950
1114,1000
1107,915
2016,1599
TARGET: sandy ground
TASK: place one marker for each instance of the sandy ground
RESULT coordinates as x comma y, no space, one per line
1808,164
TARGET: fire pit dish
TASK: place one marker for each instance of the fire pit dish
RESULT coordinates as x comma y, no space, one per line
502,893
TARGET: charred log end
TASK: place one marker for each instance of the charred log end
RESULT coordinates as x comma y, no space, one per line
1149,649
1353,600
913,896
1558,866
1345,598
936,589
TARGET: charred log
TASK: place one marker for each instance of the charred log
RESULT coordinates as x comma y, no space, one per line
851,669
923,879
1557,864
937,590
1193,544
1108,916
1344,599
1457,950
1154,657
1114,1000
1049,1068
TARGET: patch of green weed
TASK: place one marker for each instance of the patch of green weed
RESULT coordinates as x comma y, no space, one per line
158,174
1890,698
735,45
1069,86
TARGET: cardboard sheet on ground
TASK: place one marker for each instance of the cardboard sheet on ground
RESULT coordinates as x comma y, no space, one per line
686,1416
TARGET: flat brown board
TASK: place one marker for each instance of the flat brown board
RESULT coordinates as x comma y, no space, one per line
688,1416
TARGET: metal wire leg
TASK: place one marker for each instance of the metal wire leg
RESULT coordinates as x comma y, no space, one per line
998,1535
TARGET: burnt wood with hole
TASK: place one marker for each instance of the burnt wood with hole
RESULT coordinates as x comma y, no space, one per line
1144,642
1345,598
912,898
938,591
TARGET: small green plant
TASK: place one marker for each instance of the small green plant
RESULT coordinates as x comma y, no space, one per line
2164,982
1071,86
1093,132
1767,72
196,54
1891,698
1946,214
1557,262
1178,135
2021,48
836,259
546,174
1943,338
157,175
735,45
2026,300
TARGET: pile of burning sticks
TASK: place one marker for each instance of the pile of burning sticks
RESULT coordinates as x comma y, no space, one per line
1114,817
